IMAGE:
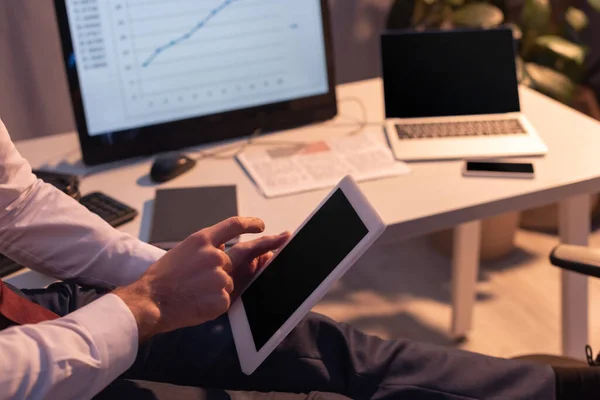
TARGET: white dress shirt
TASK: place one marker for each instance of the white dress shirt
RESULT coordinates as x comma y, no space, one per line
74,357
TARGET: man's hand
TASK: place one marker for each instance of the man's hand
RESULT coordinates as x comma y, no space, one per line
192,283
250,257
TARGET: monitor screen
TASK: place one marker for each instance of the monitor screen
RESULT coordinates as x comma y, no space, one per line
448,73
317,249
147,62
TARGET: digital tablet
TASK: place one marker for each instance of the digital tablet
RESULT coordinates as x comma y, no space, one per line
325,246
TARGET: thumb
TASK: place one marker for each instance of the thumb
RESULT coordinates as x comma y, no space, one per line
243,253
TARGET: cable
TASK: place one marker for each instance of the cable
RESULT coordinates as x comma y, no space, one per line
358,124
363,122
238,147
363,109
355,121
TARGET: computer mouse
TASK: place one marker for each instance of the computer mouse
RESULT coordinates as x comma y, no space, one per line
170,167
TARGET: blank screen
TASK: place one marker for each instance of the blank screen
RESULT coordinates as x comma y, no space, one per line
500,167
446,73
317,249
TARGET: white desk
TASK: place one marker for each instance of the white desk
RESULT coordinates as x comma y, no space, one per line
433,197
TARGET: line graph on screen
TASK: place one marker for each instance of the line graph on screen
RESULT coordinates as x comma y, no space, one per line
147,62
213,13
180,53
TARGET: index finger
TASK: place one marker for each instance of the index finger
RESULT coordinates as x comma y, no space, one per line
223,232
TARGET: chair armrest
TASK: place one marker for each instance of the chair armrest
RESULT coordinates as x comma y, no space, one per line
581,259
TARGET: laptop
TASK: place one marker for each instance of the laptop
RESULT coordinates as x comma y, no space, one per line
454,94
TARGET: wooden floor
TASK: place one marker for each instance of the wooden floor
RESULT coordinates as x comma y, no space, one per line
402,290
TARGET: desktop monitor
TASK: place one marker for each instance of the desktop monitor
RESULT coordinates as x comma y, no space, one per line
148,76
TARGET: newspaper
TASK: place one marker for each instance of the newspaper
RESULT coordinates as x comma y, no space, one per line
286,169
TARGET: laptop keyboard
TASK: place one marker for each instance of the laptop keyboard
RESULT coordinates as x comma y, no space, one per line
460,129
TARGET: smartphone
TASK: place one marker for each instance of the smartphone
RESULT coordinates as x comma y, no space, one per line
499,169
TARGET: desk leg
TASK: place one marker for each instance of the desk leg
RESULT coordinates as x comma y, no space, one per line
574,229
465,270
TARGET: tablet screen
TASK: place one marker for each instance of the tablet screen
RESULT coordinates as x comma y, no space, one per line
316,250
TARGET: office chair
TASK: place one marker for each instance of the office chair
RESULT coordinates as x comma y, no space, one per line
583,260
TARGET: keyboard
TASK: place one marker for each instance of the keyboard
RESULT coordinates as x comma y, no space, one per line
112,211
8,266
460,129
66,183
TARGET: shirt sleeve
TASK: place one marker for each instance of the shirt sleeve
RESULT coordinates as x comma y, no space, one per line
47,231
76,356
73,357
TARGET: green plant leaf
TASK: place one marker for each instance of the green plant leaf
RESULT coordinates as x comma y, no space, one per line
478,15
576,18
550,82
521,74
398,8
536,15
563,48
516,29
595,4
526,81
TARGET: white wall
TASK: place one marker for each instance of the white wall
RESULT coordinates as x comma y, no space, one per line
33,91
357,25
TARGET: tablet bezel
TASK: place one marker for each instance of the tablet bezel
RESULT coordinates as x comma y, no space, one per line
251,358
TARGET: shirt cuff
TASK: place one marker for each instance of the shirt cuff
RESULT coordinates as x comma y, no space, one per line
144,256
114,332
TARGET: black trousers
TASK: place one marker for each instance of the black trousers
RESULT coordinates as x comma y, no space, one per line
320,359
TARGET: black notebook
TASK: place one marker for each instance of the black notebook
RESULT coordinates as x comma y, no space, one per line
178,213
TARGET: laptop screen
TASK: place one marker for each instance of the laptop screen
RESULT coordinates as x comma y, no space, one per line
447,73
